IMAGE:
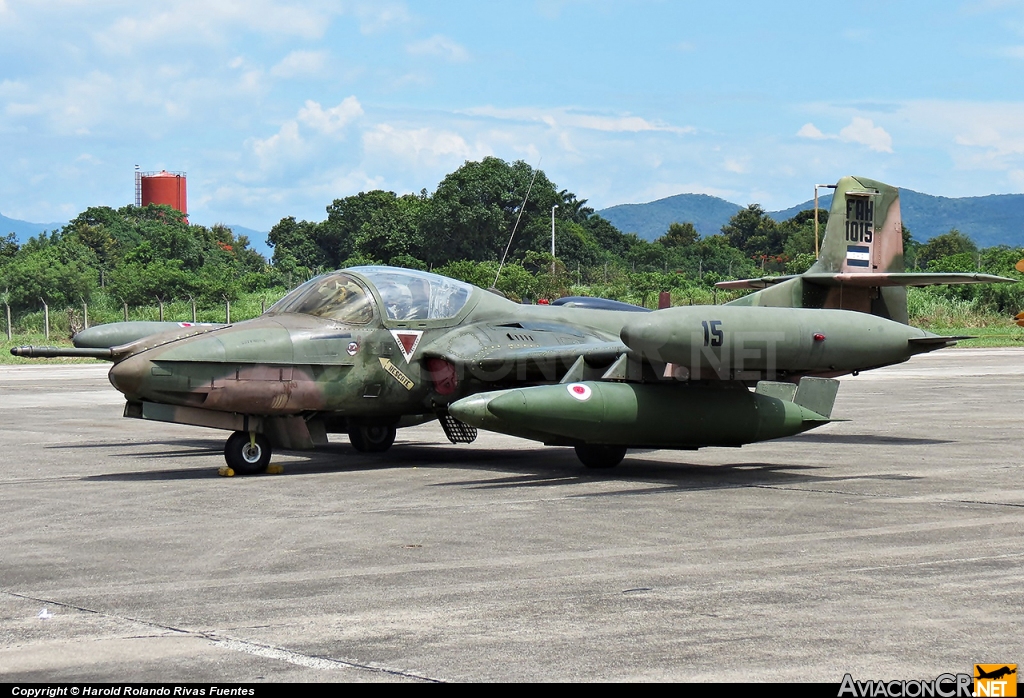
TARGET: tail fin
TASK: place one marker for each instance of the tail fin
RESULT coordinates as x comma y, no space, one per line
860,265
864,234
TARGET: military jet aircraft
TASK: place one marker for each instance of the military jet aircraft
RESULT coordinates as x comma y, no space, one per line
368,350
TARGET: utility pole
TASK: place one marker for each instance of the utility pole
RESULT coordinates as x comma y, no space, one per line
46,318
553,239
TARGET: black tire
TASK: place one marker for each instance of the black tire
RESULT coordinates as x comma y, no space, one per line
600,456
372,438
245,457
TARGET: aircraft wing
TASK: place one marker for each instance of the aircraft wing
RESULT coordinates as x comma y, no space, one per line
500,353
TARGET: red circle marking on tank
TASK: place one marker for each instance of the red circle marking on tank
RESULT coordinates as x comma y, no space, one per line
579,391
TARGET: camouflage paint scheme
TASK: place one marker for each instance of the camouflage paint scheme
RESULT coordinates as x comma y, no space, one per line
370,349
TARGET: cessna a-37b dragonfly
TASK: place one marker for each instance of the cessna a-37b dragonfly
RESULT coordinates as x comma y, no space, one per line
368,350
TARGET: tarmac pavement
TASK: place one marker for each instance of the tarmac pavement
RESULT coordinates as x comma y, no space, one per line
889,546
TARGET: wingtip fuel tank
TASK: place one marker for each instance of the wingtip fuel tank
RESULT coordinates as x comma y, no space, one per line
641,415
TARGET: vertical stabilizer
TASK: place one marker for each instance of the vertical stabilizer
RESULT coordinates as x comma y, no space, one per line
860,263
864,235
864,232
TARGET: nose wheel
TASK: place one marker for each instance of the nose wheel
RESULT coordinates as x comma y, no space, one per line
247,454
372,438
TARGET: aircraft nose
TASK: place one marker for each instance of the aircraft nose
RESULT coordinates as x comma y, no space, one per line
129,375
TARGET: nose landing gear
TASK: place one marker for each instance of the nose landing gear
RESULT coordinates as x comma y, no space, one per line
371,438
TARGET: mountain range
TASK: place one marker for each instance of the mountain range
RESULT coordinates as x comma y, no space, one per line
23,230
997,219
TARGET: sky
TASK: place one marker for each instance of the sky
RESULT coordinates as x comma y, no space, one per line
275,108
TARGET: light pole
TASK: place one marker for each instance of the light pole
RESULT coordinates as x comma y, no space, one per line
553,239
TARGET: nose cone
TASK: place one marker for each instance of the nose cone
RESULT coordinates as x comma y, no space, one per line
648,334
472,410
129,375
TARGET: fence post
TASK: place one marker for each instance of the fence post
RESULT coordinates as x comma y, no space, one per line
161,304
46,319
8,322
227,311
85,315
125,310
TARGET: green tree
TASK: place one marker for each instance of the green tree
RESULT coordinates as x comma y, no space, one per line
338,235
798,233
945,245
679,235
754,232
391,232
472,213
8,247
295,245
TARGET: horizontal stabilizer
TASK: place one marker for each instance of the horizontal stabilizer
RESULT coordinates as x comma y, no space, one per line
762,282
870,280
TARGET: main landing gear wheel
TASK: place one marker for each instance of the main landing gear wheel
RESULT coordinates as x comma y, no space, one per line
372,439
600,456
247,455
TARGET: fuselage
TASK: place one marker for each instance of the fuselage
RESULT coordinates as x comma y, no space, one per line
379,359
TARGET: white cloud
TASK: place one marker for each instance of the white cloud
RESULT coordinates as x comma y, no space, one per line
300,64
423,144
735,165
439,46
288,146
811,131
285,144
210,22
864,131
860,130
988,135
566,118
378,16
333,120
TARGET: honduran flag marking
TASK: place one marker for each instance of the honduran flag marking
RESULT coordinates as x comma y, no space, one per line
858,256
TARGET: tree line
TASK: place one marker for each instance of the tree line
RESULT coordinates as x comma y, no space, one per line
478,215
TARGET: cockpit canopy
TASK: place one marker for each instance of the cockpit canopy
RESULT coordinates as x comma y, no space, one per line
405,295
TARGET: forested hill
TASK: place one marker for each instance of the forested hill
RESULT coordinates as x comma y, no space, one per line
650,221
989,220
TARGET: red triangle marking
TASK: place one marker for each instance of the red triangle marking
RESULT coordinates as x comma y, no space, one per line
408,341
